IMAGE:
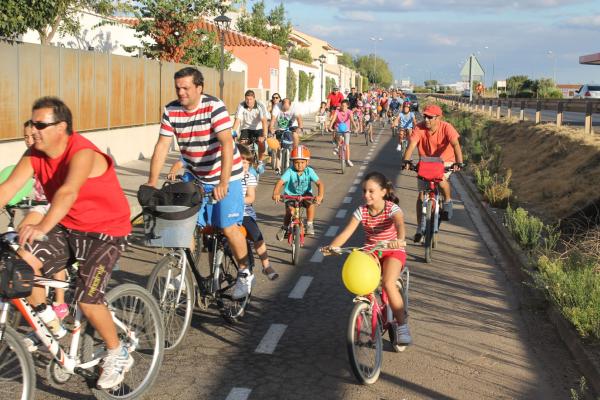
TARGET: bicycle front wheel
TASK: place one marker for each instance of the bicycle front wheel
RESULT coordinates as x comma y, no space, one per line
17,372
231,309
364,344
176,308
295,244
428,231
139,327
342,157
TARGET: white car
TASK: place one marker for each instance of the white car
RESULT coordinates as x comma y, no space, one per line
588,92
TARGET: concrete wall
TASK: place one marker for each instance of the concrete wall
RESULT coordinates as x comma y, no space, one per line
124,145
312,104
260,61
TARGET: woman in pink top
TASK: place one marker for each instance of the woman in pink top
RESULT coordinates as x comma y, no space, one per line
341,123
382,220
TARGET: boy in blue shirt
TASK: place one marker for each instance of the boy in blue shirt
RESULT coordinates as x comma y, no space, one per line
298,181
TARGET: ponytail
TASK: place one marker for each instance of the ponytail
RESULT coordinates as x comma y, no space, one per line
384,183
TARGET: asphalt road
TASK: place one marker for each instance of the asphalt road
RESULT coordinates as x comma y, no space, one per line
472,339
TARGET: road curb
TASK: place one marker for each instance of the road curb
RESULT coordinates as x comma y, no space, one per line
517,270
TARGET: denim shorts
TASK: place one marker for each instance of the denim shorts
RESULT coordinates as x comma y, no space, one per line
224,213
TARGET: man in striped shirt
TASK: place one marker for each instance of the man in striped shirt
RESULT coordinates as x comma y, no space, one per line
202,127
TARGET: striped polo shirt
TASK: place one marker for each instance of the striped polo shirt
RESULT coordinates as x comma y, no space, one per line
379,227
196,133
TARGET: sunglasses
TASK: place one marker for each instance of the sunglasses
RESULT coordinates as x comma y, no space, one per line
40,126
429,116
276,98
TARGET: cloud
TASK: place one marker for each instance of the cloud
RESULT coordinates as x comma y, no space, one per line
586,22
438,39
358,16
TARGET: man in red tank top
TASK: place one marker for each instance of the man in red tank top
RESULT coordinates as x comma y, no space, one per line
88,217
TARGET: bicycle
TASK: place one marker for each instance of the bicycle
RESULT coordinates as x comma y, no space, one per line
295,229
178,285
430,170
286,139
321,123
369,320
341,150
134,312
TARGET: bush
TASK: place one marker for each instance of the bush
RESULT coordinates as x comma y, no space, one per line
311,85
291,86
483,178
302,86
503,95
497,193
526,229
525,94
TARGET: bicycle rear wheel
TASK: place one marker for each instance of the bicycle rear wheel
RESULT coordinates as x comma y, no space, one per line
142,334
295,244
364,344
176,312
231,309
17,371
342,153
429,231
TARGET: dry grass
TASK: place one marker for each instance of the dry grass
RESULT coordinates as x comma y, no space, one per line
556,171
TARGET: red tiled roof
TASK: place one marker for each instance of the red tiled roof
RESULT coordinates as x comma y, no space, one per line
232,38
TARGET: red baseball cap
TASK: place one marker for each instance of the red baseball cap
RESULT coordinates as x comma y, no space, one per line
432,110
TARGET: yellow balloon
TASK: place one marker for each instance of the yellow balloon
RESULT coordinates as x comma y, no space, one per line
361,273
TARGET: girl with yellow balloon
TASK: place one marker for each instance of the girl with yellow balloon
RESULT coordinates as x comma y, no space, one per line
382,221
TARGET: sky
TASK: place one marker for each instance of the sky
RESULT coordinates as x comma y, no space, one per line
423,39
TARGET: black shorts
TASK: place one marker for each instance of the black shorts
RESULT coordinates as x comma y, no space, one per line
250,134
254,233
97,255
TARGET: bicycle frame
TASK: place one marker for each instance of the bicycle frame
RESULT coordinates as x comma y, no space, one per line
431,195
297,217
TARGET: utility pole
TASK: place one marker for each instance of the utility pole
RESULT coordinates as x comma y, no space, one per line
471,78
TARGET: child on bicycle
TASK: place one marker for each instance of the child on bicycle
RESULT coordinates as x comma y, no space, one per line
382,220
342,122
406,121
298,181
322,115
249,183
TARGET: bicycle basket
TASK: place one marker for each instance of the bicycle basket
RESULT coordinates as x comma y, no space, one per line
287,139
16,278
170,226
431,171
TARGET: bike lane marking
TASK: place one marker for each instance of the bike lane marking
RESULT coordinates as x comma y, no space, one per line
301,287
317,257
341,214
357,181
269,342
239,394
352,189
347,200
360,174
363,167
332,231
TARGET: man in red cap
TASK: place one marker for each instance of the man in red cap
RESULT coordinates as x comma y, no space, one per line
435,138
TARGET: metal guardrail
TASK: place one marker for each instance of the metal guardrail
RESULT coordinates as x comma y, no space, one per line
494,106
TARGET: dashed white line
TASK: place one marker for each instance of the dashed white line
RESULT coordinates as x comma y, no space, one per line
239,394
341,214
356,181
363,167
269,342
301,287
332,231
360,174
352,189
317,257
347,200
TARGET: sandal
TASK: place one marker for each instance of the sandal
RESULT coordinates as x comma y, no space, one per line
270,273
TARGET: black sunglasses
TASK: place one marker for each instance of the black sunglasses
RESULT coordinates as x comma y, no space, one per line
429,116
43,125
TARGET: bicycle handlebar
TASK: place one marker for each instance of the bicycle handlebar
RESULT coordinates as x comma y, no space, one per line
25,204
380,246
413,167
298,198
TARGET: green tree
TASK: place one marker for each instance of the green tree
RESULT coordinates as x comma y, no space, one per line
302,54
302,86
431,82
274,27
376,69
346,60
48,17
291,85
173,26
515,83
330,83
547,89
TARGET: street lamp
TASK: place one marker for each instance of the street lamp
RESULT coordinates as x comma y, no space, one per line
222,22
375,40
322,59
553,55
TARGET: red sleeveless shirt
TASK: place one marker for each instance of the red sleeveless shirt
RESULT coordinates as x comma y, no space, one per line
101,206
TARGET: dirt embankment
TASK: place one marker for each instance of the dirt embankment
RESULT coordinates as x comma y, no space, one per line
556,171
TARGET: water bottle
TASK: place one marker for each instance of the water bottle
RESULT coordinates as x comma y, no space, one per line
49,317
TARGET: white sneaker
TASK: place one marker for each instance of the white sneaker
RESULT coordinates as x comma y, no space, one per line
32,342
335,151
310,229
114,368
399,147
403,334
349,163
243,285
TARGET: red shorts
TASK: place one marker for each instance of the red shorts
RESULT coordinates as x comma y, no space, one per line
397,254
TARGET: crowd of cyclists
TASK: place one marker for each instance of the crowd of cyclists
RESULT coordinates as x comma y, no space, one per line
88,215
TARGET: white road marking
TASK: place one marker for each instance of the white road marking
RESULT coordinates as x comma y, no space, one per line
363,167
360,174
317,257
239,394
341,214
352,189
356,181
269,342
301,287
332,231
347,200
